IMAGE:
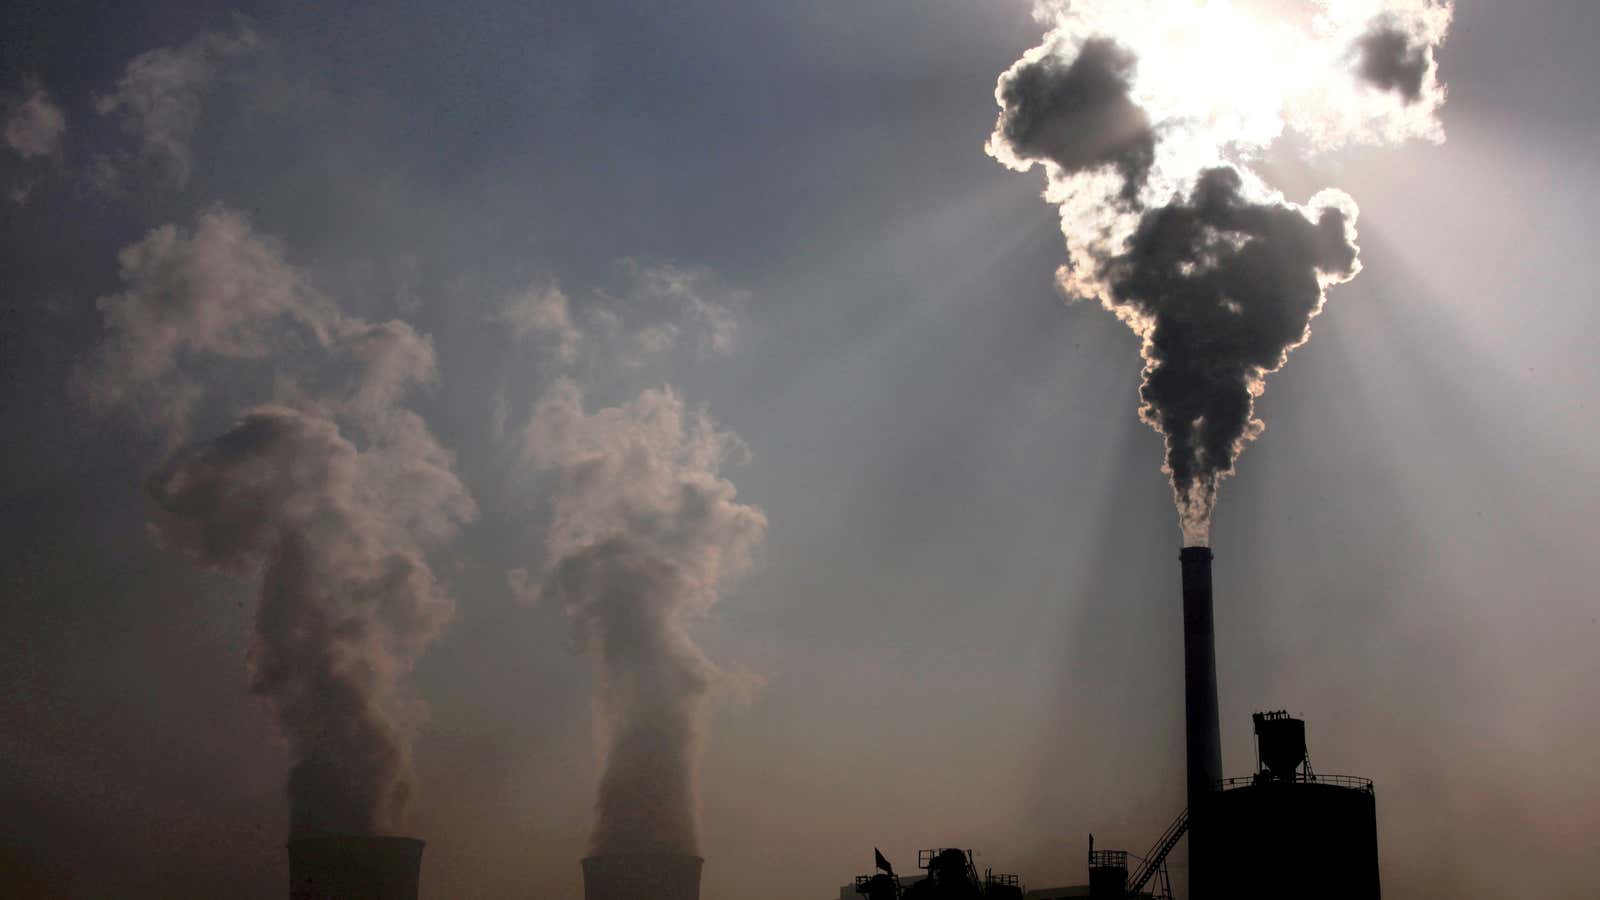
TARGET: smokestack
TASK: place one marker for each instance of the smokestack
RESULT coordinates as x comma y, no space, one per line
1200,705
354,867
642,876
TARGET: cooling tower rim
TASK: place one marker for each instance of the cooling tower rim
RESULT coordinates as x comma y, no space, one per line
391,840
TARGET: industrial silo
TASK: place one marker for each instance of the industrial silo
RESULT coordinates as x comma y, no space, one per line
1287,831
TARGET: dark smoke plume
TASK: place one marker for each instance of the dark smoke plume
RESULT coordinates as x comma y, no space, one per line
328,497
1146,116
1225,288
1078,115
1387,57
644,537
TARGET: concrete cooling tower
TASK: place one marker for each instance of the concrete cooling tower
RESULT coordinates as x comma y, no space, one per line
354,867
642,876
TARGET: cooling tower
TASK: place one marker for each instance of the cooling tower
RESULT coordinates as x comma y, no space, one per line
354,867
1204,741
642,876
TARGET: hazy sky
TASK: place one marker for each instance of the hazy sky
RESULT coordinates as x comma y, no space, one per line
962,625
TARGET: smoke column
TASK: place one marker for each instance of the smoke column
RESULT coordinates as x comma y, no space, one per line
329,496
1147,117
644,535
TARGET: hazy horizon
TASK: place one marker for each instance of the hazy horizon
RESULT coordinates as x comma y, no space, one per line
929,560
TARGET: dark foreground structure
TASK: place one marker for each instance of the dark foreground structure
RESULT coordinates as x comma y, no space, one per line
1285,831
354,867
946,874
642,876
1286,828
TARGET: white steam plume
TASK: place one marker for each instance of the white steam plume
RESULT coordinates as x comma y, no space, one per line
644,537
330,496
1147,116
158,97
34,127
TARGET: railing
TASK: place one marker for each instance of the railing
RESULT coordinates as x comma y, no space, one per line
1158,853
1115,859
1349,781
925,858
864,883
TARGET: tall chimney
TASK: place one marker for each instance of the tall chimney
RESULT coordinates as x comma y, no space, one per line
642,876
354,867
1200,709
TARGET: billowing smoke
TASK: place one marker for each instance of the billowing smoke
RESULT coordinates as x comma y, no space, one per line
1077,114
1147,117
644,533
644,536
329,496
1225,288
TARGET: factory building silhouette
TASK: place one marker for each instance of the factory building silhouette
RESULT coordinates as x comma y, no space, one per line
1284,831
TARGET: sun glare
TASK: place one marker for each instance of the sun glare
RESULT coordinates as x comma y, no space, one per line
1221,80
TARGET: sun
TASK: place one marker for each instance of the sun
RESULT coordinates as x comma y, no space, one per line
1213,75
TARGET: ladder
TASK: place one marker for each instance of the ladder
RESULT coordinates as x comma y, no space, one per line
1157,857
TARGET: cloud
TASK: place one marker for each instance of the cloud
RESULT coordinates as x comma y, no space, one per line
35,127
158,98
644,538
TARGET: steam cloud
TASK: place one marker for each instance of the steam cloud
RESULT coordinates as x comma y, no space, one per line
35,126
330,495
1147,117
645,534
158,97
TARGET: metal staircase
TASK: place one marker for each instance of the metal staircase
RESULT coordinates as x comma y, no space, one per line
1156,859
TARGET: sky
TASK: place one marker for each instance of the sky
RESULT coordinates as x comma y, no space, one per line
937,600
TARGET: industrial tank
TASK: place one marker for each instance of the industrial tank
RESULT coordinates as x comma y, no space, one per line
1287,831
1308,839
